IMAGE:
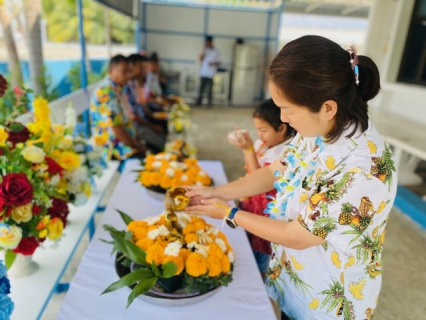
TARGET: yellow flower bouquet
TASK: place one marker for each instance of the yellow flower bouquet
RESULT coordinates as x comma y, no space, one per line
171,253
181,148
163,171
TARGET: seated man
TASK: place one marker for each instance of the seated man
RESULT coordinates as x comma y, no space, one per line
112,117
147,126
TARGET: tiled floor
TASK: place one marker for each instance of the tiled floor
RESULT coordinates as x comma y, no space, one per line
403,293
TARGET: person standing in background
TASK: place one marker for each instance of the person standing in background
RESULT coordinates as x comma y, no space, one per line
210,61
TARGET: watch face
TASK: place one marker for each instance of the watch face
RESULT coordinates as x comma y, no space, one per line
230,223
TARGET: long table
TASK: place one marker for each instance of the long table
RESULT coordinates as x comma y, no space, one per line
31,294
244,298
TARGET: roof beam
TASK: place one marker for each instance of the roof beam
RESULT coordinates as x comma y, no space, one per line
312,7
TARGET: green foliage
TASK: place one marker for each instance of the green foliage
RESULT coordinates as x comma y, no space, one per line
73,76
205,283
62,22
10,105
45,82
9,258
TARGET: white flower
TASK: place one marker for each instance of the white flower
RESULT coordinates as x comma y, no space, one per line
153,234
231,257
163,231
70,116
157,164
79,147
191,245
55,180
202,173
198,183
33,154
183,219
170,172
173,249
152,220
202,249
213,230
177,165
82,158
65,143
184,177
221,244
79,175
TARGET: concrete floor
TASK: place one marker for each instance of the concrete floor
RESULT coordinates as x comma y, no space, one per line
403,293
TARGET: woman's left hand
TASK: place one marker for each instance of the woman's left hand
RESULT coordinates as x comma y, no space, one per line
214,208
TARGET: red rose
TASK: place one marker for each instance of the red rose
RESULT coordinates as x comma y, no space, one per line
27,246
16,190
36,210
17,133
53,167
59,209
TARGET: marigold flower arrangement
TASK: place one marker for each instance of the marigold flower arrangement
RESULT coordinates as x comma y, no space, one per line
186,249
163,170
179,121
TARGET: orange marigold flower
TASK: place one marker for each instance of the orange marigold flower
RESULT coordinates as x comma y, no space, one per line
223,237
215,251
189,228
144,243
191,237
178,261
145,178
226,265
214,265
200,225
184,253
196,264
140,233
155,178
136,224
166,182
155,253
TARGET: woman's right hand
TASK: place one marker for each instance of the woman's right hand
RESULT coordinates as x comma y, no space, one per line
197,193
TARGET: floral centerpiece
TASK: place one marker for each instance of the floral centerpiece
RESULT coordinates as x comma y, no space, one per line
164,171
172,251
179,121
6,304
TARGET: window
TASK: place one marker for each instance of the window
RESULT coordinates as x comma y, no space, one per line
413,65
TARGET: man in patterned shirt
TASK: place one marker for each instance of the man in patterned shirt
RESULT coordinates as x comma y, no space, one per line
111,115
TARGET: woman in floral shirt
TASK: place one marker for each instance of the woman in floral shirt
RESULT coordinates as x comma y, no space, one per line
335,184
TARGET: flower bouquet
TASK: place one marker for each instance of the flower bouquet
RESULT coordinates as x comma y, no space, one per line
181,148
163,171
170,256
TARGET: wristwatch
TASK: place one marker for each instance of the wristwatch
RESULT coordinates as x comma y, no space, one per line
230,218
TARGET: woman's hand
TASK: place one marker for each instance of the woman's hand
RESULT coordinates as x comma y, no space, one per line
242,140
214,208
197,193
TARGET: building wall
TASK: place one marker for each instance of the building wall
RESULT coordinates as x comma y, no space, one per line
177,34
387,34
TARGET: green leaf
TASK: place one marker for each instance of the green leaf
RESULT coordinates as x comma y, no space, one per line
106,241
352,232
129,279
145,283
155,269
169,269
9,258
131,251
16,127
29,90
126,218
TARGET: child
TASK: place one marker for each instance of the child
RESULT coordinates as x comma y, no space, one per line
274,135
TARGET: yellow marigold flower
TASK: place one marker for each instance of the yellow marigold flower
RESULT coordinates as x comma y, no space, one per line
184,253
223,237
155,178
3,137
215,251
189,228
155,253
165,182
145,178
226,265
196,264
144,243
69,160
140,233
136,224
214,265
191,237
200,225
55,229
178,261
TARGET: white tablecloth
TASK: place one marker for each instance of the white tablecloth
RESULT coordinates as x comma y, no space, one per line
244,298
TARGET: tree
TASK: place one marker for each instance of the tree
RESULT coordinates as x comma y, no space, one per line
62,23
12,52
32,13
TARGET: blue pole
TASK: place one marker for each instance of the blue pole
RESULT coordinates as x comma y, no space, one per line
138,36
83,72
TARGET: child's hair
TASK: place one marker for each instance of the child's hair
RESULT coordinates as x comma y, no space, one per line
269,112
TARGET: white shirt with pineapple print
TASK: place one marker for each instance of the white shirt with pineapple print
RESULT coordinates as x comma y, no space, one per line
343,194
